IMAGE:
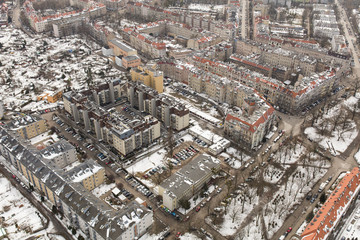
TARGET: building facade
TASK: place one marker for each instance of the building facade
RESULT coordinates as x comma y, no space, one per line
166,109
60,154
89,174
28,126
80,209
150,76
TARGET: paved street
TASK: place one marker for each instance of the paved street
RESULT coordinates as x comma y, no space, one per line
349,37
245,19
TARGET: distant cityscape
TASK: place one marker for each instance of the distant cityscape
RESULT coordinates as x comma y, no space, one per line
179,119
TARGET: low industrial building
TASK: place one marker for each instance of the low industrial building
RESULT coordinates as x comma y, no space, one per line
120,48
51,96
131,61
186,182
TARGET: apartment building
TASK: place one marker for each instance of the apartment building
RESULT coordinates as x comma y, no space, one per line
221,51
89,174
186,182
67,26
80,209
4,14
162,107
28,126
330,214
279,58
126,136
253,63
252,123
324,21
149,75
338,45
113,5
60,154
197,21
288,96
134,135
105,93
99,31
43,23
299,46
145,37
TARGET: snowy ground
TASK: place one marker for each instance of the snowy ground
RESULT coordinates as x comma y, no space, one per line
189,236
21,218
47,234
310,167
206,7
237,210
186,236
290,194
340,144
273,174
335,130
357,157
289,155
30,66
148,162
148,236
102,189
238,158
196,200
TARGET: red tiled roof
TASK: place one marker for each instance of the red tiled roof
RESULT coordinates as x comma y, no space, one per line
328,214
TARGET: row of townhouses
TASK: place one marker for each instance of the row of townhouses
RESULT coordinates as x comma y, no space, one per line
42,23
287,96
324,21
145,39
329,215
224,30
68,191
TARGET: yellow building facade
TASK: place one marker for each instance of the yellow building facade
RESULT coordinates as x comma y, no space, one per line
149,76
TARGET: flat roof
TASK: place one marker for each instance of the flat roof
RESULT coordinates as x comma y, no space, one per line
190,174
122,45
131,58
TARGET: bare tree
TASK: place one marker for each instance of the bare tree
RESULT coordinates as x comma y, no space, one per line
170,140
251,194
234,214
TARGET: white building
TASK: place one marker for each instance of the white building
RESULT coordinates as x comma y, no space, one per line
60,154
188,180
